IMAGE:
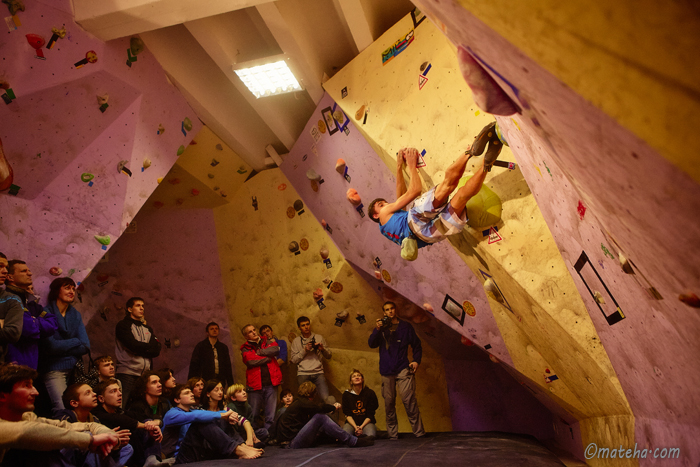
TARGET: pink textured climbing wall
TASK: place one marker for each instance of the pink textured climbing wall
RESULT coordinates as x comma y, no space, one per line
605,192
171,261
53,132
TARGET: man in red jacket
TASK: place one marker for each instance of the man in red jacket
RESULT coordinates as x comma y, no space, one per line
263,373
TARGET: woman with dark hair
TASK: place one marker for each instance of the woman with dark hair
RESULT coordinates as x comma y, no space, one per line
167,379
61,351
213,396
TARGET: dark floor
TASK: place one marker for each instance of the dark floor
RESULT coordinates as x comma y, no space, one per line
436,450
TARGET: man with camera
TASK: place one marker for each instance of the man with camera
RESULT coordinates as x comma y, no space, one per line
307,351
393,336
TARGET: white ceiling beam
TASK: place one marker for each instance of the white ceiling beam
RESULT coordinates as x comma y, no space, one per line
266,109
356,20
310,78
113,19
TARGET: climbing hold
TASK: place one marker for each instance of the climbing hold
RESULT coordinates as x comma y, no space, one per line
343,314
159,179
690,299
102,99
599,297
293,246
90,57
321,126
386,276
57,34
581,209
299,206
291,212
122,168
486,92
304,244
423,66
318,294
336,287
37,42
210,175
223,194
360,113
493,359
312,175
339,117
282,186
353,197
55,271
158,204
179,201
378,275
187,123
14,6
161,130
180,150
492,290
314,186
214,163
136,45
429,308
469,308
324,252
146,163
195,192
466,341
219,147
361,318
625,264
103,239
86,177
340,166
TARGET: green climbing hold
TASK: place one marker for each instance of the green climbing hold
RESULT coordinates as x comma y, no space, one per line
187,124
180,150
103,239
86,177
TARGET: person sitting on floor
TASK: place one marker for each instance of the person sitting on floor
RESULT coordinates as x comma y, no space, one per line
304,420
197,435
79,400
237,398
359,405
196,384
286,398
145,437
147,403
28,440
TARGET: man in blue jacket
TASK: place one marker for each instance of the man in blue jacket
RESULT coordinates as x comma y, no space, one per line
393,336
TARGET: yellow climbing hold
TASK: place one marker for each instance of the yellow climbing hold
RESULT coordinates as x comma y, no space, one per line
477,113
516,124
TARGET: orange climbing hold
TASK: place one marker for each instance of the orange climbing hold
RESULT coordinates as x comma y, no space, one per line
353,197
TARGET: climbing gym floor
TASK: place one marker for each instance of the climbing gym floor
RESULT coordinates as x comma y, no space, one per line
450,449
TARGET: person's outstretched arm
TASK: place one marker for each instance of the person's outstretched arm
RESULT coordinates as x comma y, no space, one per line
414,187
400,182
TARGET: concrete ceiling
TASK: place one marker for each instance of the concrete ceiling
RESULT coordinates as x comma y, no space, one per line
198,44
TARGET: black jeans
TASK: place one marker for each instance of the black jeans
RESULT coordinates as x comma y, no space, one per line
208,441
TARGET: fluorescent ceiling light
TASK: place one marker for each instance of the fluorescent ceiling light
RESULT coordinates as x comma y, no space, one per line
269,79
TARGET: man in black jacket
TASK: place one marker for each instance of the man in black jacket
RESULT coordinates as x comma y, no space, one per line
136,346
210,359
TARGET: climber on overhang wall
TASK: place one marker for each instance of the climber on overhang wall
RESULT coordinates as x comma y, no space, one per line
432,217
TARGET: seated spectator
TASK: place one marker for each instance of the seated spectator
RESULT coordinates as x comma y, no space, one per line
61,351
80,400
105,369
27,440
197,435
145,437
11,313
167,379
196,384
359,405
286,398
237,399
213,396
147,403
37,323
304,420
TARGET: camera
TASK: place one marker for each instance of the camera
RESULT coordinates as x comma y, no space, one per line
314,345
385,322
